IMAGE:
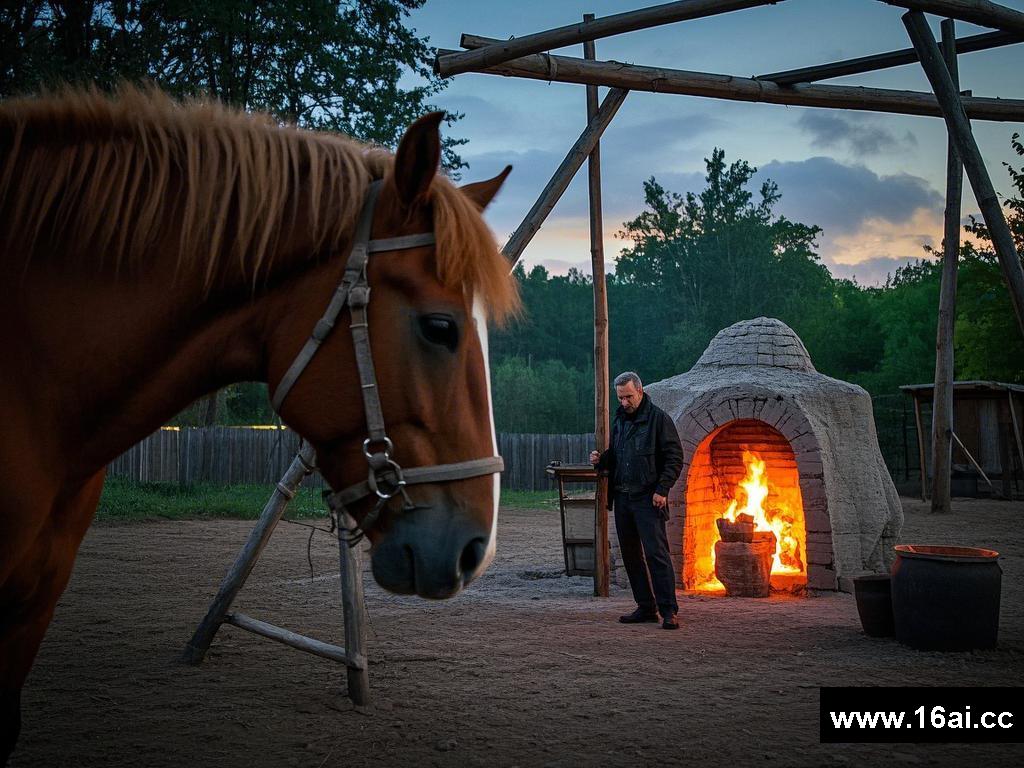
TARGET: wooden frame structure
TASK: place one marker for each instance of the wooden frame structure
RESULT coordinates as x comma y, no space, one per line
353,655
529,57
997,432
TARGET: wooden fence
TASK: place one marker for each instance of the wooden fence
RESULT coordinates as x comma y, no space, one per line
232,455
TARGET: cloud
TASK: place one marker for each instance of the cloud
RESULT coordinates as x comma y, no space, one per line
871,223
861,134
840,198
630,153
879,246
663,133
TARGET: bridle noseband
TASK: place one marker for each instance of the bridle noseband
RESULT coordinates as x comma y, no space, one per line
385,478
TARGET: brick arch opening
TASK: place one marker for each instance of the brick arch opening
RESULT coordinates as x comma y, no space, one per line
720,463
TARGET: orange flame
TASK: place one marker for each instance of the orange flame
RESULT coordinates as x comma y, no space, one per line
753,491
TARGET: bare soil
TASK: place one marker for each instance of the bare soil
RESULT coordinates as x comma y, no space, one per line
524,668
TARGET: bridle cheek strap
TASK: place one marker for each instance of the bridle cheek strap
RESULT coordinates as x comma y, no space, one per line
385,478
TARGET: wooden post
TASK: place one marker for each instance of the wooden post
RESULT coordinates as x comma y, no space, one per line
602,574
920,448
1016,428
942,393
959,128
354,614
301,465
563,175
569,69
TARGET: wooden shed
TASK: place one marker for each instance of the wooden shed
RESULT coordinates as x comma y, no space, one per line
988,453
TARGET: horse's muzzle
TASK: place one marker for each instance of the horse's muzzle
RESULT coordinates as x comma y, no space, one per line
432,552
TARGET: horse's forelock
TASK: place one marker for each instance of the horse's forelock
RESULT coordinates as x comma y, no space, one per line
467,254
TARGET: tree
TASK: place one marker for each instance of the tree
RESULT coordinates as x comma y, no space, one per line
988,343
711,259
325,64
546,397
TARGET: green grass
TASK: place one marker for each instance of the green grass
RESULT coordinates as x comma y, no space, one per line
529,499
123,501
126,501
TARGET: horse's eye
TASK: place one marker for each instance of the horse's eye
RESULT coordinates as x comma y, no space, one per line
440,329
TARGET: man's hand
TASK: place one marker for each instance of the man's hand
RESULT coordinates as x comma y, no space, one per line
595,457
659,501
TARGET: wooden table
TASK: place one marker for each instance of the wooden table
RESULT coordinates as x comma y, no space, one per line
579,514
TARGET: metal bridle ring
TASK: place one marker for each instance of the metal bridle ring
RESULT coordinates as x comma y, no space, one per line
374,481
389,447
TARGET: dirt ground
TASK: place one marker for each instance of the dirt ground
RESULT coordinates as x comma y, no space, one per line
525,668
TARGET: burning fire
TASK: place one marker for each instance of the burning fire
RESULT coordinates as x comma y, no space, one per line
752,492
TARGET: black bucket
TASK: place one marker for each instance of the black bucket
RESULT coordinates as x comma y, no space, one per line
874,603
946,598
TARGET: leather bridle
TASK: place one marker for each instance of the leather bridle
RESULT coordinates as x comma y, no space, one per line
385,478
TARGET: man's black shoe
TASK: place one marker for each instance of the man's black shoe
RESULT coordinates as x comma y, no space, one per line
639,616
669,622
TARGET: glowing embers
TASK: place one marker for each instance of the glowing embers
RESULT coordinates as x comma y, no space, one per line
744,468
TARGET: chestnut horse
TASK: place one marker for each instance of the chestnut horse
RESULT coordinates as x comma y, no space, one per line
153,252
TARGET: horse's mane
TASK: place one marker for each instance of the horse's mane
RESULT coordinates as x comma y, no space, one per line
98,172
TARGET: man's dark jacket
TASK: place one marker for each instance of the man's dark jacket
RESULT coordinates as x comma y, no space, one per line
649,453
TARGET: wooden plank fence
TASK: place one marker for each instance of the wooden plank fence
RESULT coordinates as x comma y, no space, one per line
234,455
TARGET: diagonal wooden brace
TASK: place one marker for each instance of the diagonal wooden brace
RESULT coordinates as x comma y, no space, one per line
303,463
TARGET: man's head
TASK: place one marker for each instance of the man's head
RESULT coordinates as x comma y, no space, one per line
629,390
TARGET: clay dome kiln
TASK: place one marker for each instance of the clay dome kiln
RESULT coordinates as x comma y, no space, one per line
763,432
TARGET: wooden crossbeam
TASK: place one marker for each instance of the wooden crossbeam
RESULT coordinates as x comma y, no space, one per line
877,61
567,69
450,63
981,12
289,638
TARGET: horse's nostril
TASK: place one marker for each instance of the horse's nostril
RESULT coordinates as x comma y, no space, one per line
472,557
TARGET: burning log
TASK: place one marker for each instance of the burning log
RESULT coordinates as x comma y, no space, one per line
742,529
745,567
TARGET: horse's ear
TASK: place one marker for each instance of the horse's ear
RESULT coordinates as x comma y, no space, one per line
417,158
482,192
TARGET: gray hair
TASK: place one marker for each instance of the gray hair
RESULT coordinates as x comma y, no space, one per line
628,377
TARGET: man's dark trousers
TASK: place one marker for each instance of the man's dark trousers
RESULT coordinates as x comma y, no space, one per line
641,532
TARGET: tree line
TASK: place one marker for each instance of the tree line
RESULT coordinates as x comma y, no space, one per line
699,262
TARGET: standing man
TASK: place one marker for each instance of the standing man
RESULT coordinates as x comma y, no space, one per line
642,464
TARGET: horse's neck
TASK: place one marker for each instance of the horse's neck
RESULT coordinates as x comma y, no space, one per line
104,362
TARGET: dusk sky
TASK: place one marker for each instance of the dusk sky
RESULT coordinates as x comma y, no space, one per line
874,182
